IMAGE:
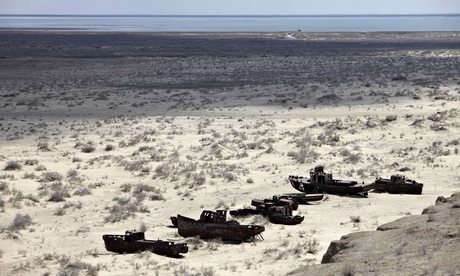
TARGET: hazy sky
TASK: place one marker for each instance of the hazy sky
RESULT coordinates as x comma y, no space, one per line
228,7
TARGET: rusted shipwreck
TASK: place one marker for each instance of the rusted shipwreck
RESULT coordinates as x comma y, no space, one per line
276,201
215,225
134,241
303,198
274,214
321,182
276,210
398,184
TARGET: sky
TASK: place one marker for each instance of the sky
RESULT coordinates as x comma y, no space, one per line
228,7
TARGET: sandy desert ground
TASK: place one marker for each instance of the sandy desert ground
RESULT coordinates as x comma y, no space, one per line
101,133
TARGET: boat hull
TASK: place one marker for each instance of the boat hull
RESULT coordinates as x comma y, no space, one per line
303,198
385,185
188,227
336,187
277,218
285,219
116,243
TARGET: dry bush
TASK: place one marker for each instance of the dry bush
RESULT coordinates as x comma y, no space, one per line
353,158
123,209
126,187
50,176
7,176
194,243
88,148
20,222
82,191
312,246
31,162
135,165
222,205
3,186
43,146
355,219
40,168
109,147
213,244
12,166
59,211
59,192
29,175
69,267
304,155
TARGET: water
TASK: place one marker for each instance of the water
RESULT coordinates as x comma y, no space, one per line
235,23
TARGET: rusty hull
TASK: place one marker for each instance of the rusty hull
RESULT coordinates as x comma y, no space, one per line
214,225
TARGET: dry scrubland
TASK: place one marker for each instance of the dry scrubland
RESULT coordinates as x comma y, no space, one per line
101,133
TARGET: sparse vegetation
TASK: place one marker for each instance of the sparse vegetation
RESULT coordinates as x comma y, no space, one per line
13,166
20,222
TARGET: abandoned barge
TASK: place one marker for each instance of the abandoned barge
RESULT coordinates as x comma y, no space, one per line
321,182
215,225
398,184
134,241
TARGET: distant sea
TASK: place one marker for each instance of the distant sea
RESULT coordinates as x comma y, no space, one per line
332,23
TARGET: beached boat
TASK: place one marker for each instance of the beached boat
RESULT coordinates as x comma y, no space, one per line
275,214
277,201
303,198
215,225
398,184
278,218
134,241
321,182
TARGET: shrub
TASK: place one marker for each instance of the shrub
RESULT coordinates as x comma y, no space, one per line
126,188
82,191
12,166
40,168
312,246
59,195
157,197
355,219
30,162
72,173
43,146
109,147
29,175
59,192
51,176
353,158
20,222
3,186
88,148
59,211
222,205
123,209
